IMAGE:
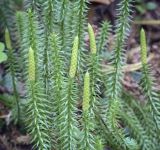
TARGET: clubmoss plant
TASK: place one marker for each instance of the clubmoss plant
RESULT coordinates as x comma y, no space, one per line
8,20
13,69
67,110
103,36
38,125
94,62
147,81
114,81
88,139
56,80
68,124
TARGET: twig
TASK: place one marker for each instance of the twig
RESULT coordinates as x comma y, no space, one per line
147,22
127,68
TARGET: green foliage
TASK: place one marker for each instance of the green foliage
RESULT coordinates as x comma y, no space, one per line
3,56
65,109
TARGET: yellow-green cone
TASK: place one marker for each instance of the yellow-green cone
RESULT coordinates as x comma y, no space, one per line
99,145
31,67
92,40
143,46
74,58
86,92
7,39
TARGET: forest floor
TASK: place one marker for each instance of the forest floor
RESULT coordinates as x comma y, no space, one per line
13,137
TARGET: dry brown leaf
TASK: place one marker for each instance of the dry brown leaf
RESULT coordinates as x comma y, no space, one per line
23,139
5,143
102,1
